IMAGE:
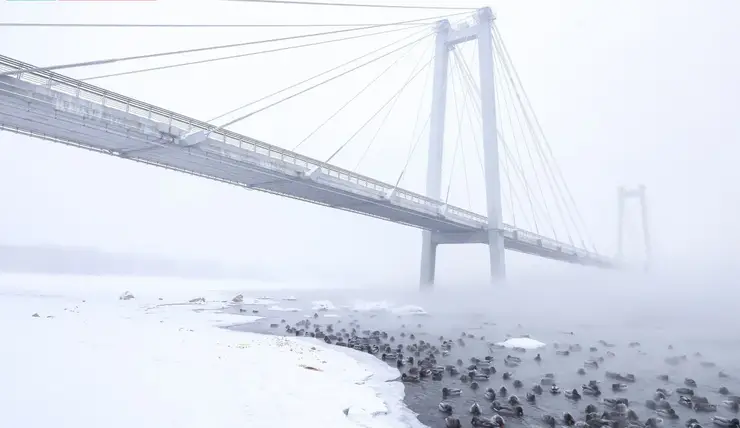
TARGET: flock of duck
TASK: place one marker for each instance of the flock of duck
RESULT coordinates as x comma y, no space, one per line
418,362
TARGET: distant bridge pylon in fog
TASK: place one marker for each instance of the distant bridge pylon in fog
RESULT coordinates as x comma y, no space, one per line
40,103
638,194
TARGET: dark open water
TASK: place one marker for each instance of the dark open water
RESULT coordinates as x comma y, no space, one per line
690,317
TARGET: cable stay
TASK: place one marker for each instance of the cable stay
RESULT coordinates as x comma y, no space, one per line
534,203
548,162
532,198
414,142
316,76
365,5
355,97
203,49
460,63
505,96
467,81
129,25
506,56
303,91
411,152
388,112
418,109
512,107
244,55
413,76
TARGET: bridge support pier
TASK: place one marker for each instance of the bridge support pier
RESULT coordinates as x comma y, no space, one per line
446,40
637,193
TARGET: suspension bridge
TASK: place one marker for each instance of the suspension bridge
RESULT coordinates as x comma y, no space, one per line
39,102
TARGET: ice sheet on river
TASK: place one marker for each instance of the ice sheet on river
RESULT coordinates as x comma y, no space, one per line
522,342
156,360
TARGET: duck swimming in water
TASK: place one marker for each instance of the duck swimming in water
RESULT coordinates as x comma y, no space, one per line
591,390
554,390
409,378
619,387
490,394
513,400
475,409
503,391
537,389
732,405
517,384
531,397
451,392
568,419
653,422
612,402
665,392
549,420
477,421
498,421
478,376
704,407
452,422
573,394
685,401
667,413
692,423
689,382
516,411
726,422
514,359
445,407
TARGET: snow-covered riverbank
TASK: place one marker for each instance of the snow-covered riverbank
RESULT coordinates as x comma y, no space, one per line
89,359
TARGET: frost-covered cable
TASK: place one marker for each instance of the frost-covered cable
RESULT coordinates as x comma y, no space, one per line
366,5
388,113
203,49
547,145
357,95
323,82
223,58
377,112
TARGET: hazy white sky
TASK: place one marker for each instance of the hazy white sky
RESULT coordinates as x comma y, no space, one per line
627,92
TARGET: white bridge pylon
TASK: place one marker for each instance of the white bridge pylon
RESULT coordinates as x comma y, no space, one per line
446,40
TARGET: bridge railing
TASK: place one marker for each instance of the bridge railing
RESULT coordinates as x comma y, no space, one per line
92,93
85,91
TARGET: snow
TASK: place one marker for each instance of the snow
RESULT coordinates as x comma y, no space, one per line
323,305
385,306
277,308
90,360
522,342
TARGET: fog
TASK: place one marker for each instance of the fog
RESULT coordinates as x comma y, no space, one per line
627,94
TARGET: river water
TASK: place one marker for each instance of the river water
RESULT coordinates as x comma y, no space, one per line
689,317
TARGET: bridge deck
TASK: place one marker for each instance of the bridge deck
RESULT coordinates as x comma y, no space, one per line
57,108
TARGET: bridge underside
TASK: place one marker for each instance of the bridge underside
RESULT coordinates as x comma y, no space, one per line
78,114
